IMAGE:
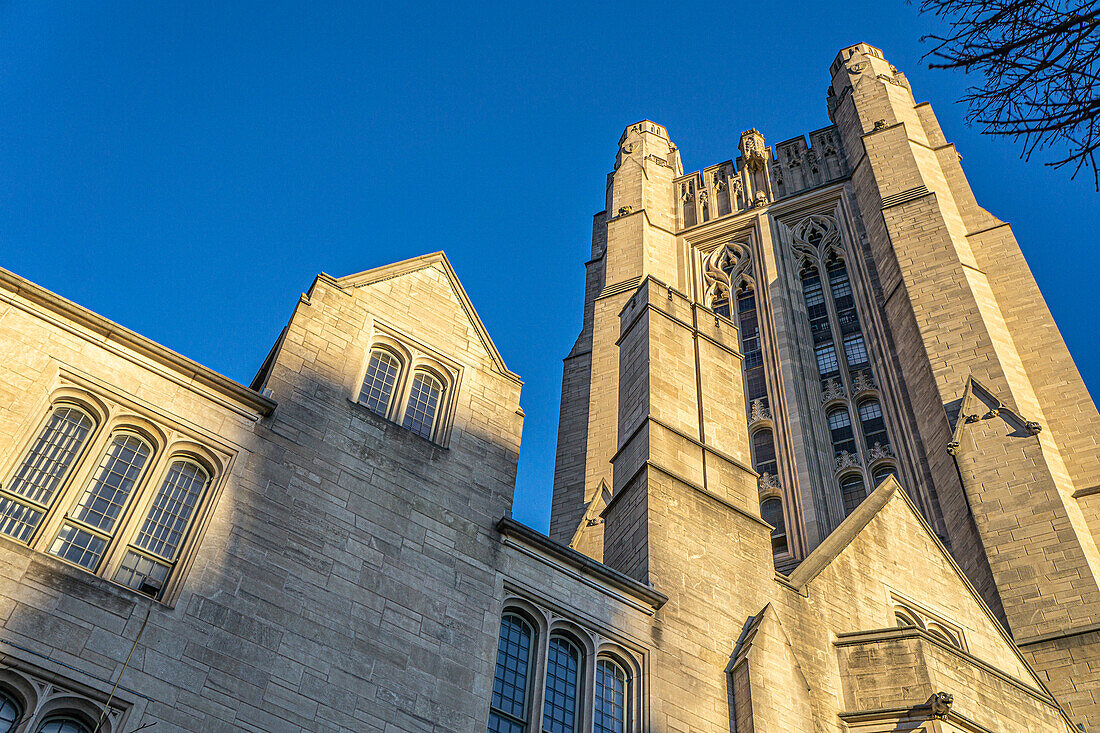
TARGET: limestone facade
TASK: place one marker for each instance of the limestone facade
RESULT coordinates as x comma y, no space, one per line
331,548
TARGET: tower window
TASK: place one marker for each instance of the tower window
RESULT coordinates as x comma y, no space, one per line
763,452
840,430
377,391
842,298
855,351
873,424
508,709
827,363
853,493
815,305
771,511
559,713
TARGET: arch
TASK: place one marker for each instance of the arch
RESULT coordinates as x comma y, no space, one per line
90,403
425,402
942,633
817,231
20,691
210,461
852,491
10,711
78,710
561,702
148,431
510,703
882,472
611,703
64,724
907,618
380,379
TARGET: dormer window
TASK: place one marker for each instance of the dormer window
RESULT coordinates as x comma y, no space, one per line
408,386
382,371
423,404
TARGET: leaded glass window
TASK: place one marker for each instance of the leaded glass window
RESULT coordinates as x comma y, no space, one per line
84,537
840,430
63,725
763,453
9,712
164,527
815,305
508,709
855,351
827,363
559,714
610,704
377,391
42,471
873,424
853,493
423,404
771,511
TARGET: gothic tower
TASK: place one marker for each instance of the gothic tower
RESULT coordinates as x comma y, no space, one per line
783,331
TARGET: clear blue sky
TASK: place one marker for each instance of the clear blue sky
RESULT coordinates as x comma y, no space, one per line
185,169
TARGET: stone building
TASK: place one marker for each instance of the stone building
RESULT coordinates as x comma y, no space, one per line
824,464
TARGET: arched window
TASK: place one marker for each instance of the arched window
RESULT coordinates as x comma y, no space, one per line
882,473
721,304
904,618
840,430
377,390
423,404
42,471
852,491
91,523
559,714
10,712
944,635
874,427
753,366
815,305
508,709
154,550
771,511
610,704
763,452
63,725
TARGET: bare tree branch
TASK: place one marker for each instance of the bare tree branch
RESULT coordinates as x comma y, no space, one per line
1039,65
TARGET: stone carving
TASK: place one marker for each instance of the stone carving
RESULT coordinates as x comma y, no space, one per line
878,450
628,148
759,411
760,201
940,703
1033,427
768,484
880,124
967,419
831,390
863,382
844,459
993,412
815,233
953,447
624,210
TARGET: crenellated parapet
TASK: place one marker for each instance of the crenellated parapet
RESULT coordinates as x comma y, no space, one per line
759,176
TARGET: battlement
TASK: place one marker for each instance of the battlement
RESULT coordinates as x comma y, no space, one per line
760,175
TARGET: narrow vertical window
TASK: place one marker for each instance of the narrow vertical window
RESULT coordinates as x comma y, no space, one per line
842,298
508,709
377,391
156,547
815,305
423,404
610,704
853,493
84,537
771,511
827,364
840,430
874,427
763,453
43,470
855,351
559,714
882,474
721,305
10,713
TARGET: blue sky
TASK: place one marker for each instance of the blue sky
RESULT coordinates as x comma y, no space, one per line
185,169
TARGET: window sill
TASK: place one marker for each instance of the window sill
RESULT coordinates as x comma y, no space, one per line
362,409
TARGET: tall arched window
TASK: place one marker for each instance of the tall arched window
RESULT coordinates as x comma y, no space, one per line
763,452
610,703
42,471
423,404
840,430
10,712
508,709
874,427
63,725
156,547
771,511
845,304
559,714
882,473
852,491
91,523
377,390
753,366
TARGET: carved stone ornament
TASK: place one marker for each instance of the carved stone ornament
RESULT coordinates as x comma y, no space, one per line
941,704
753,151
760,201
880,124
628,148
759,411
1033,427
831,390
719,267
624,210
970,418
768,484
993,412
862,382
953,447
847,460
878,450
816,232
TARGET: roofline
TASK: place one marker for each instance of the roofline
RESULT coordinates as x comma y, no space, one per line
583,563
112,333
412,264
